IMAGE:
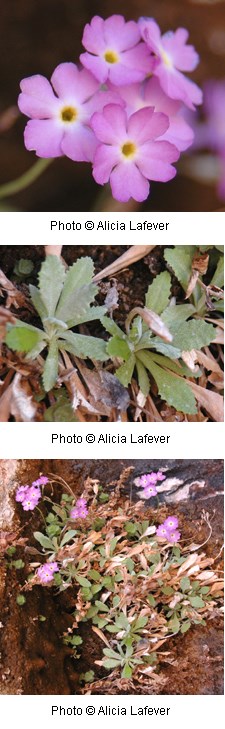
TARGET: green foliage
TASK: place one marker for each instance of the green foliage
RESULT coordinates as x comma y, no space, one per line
63,300
149,351
23,268
20,600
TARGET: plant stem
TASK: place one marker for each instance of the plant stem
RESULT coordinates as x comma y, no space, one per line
11,188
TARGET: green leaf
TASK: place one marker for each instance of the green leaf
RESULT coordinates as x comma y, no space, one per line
126,672
50,372
84,346
111,662
101,606
158,294
185,584
143,378
194,334
91,313
20,600
51,279
151,600
218,278
43,540
60,412
180,259
174,390
125,372
167,349
22,339
118,347
112,327
37,301
185,626
78,275
18,564
177,314
174,624
68,536
140,623
83,581
196,602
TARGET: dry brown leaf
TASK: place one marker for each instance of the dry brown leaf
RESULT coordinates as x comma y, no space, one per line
133,254
210,401
101,635
14,297
192,283
189,562
23,407
53,251
189,358
5,405
207,360
154,322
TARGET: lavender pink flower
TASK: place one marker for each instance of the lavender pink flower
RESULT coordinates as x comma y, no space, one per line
60,113
46,572
172,56
80,510
171,523
150,93
28,496
150,491
174,536
129,154
41,481
114,51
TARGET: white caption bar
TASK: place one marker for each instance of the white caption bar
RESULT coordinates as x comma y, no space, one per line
107,228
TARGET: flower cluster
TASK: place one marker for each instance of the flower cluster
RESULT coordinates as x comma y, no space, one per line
46,572
149,482
168,530
80,510
29,496
121,108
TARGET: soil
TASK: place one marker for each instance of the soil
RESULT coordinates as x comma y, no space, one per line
36,36
34,658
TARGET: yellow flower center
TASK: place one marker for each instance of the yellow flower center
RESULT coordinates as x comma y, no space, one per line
166,59
68,114
111,57
128,149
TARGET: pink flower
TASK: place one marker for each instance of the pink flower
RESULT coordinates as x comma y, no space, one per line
46,571
41,481
150,491
114,50
173,536
80,510
60,121
128,154
21,493
172,56
162,532
147,479
171,523
150,93
160,476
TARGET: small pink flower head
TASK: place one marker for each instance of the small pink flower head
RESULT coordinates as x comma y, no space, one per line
150,93
114,50
81,503
173,536
171,523
21,493
160,476
46,572
41,481
80,510
60,113
161,531
147,479
150,491
172,55
129,154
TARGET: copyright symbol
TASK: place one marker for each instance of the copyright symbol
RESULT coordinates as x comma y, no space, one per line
89,225
90,438
90,710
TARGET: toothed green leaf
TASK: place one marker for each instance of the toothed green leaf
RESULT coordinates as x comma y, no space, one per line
158,294
51,279
180,259
22,339
50,372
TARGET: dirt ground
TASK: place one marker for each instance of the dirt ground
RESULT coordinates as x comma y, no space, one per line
37,35
30,648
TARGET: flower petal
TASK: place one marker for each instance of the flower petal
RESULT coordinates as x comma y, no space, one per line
44,137
96,65
145,124
120,35
154,160
79,143
106,157
37,99
127,181
110,126
69,81
93,35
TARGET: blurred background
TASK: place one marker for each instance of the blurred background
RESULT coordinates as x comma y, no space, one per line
35,36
